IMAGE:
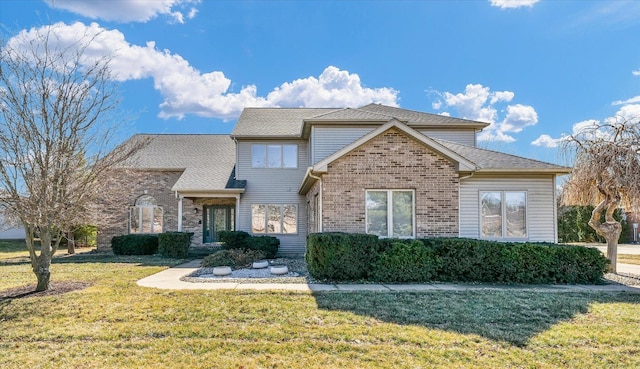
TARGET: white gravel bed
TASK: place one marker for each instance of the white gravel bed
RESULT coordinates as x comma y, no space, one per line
297,274
623,278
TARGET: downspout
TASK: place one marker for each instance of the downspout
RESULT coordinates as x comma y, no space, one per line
555,209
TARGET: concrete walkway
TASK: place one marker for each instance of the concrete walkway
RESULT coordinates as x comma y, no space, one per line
170,280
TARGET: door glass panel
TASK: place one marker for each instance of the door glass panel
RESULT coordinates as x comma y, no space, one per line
402,207
377,213
147,214
219,221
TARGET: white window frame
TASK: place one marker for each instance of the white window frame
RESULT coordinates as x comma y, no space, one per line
390,211
266,219
281,153
503,214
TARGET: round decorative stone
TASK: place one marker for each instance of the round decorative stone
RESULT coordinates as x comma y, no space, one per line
279,269
260,264
222,270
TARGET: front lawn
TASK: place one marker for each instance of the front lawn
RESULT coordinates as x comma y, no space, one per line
113,323
629,259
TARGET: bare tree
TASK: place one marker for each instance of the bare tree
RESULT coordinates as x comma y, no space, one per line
58,119
606,174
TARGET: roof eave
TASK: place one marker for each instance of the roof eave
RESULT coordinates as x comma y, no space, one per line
524,170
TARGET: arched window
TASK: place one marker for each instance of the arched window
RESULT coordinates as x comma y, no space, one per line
145,216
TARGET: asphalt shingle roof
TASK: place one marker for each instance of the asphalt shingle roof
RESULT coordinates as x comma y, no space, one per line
288,122
207,160
493,160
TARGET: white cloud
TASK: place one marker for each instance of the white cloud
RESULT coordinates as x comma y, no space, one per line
478,103
546,141
633,100
186,90
636,72
127,10
518,117
510,4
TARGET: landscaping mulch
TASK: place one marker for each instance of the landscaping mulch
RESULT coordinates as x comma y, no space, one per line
56,288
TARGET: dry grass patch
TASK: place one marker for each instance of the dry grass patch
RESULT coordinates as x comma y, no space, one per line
629,259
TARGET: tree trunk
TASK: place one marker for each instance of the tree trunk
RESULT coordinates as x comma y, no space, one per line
610,229
42,267
71,243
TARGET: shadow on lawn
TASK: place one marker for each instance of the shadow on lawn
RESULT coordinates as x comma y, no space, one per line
101,257
510,316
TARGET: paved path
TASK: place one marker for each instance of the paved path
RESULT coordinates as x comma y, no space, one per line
170,280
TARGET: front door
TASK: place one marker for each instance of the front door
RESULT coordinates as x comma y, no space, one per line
217,218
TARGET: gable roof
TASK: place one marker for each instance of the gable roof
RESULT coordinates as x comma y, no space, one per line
294,122
207,161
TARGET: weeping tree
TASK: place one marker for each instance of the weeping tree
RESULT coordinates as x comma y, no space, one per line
606,174
58,118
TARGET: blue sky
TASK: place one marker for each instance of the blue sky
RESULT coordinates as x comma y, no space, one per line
535,70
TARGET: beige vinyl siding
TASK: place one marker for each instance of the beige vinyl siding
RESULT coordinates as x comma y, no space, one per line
465,137
541,213
327,140
273,186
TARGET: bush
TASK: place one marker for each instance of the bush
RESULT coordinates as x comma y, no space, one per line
236,258
174,244
135,244
86,236
267,244
405,262
232,240
346,257
341,256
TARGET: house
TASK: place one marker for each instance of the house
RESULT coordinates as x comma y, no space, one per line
288,172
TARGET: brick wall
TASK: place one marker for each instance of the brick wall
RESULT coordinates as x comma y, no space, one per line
392,160
125,187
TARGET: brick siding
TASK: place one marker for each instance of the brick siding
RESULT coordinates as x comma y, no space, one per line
391,160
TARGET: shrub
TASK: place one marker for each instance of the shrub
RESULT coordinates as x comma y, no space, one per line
236,258
174,244
344,257
341,256
267,244
135,244
405,262
86,236
232,240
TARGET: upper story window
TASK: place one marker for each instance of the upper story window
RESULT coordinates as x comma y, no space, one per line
503,214
274,156
145,216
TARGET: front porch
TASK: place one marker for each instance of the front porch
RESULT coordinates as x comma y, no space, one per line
205,216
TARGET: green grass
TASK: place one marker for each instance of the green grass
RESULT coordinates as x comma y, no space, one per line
116,324
629,259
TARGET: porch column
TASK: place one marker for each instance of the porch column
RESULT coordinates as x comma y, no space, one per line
180,214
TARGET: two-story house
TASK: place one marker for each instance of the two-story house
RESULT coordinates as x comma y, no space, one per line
288,172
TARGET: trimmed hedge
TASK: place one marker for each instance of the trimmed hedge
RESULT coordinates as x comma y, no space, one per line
174,244
405,262
236,258
135,244
232,240
347,257
341,256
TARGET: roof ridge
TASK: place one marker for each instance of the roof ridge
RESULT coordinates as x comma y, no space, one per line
333,110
